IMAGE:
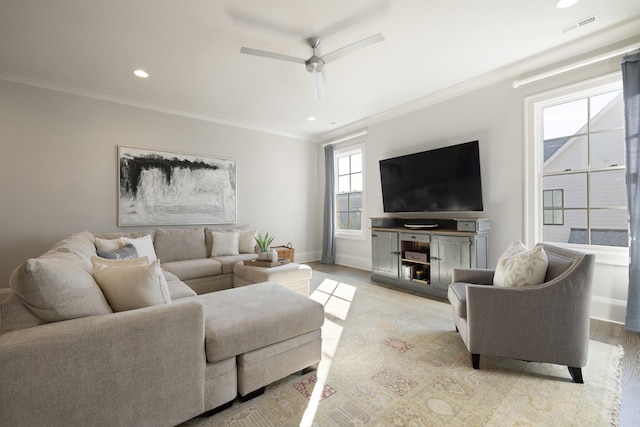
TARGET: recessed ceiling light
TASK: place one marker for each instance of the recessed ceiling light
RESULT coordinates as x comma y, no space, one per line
561,4
311,119
141,73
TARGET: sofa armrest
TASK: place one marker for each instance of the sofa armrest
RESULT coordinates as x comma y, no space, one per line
139,367
478,276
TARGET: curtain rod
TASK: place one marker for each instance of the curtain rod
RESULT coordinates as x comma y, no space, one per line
347,137
576,65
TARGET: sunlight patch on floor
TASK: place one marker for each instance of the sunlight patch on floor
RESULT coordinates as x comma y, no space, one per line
336,298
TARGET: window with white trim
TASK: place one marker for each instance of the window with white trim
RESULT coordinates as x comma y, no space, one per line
576,161
349,180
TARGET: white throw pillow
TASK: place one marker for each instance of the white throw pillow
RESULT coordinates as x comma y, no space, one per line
131,284
247,240
108,245
225,244
144,246
519,266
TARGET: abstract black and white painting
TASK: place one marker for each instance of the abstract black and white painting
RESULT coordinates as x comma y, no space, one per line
160,188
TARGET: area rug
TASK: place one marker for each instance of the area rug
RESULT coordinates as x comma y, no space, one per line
394,359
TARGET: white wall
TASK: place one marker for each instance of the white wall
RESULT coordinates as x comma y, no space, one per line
494,116
58,170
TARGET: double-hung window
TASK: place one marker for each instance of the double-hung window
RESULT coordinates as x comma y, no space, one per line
349,192
576,189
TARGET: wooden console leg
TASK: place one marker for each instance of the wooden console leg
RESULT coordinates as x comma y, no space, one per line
475,360
576,374
253,394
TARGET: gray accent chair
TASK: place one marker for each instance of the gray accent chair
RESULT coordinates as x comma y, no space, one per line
547,323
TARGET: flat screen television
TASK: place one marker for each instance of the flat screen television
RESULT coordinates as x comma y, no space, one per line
442,180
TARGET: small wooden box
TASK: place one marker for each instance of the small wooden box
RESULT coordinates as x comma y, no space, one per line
415,256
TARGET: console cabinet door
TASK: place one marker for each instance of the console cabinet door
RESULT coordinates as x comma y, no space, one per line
447,253
385,253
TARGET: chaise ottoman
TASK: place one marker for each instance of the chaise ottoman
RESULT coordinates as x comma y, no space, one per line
271,331
293,276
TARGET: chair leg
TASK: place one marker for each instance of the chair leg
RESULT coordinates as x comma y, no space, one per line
475,360
576,374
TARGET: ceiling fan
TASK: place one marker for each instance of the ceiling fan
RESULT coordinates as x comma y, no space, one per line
315,64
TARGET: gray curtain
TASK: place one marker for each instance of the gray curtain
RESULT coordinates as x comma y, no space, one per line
631,91
328,229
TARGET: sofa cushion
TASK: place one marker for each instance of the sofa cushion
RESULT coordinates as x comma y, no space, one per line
225,243
180,244
129,285
14,315
80,244
243,319
130,235
143,245
228,262
177,288
56,287
519,266
193,268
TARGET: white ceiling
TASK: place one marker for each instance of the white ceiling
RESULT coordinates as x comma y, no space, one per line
191,49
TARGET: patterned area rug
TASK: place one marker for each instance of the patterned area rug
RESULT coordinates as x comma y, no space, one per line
394,359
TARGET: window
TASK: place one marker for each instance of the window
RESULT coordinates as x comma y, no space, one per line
349,195
576,165
552,204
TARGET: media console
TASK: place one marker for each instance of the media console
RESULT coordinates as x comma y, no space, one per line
420,253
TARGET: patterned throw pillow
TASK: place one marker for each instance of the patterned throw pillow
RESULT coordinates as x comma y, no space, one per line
519,266
128,251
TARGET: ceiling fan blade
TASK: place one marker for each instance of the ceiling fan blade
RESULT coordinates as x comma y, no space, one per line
343,51
319,85
272,55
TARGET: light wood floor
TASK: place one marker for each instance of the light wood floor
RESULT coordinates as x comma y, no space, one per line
606,332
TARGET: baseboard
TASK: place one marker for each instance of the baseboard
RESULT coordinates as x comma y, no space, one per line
354,262
311,256
4,292
608,309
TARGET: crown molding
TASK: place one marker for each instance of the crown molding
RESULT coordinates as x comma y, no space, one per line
73,88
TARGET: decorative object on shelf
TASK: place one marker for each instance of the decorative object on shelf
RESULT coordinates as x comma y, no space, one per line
285,251
274,255
263,246
162,188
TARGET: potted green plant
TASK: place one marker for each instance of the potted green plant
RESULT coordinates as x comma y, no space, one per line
263,245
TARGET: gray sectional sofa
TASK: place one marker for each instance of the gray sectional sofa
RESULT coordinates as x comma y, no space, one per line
190,343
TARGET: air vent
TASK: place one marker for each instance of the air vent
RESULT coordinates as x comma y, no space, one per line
579,24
